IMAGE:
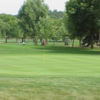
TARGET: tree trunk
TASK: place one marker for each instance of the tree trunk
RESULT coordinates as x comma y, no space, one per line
23,40
92,46
80,44
35,40
65,41
41,41
99,39
46,41
6,40
72,43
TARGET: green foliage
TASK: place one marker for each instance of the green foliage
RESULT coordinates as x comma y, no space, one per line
44,28
33,21
58,28
56,14
49,28
30,15
9,26
82,18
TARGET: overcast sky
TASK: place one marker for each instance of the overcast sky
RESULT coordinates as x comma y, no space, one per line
12,6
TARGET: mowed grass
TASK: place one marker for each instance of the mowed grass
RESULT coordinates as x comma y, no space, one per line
29,72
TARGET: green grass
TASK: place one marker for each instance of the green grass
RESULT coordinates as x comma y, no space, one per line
29,72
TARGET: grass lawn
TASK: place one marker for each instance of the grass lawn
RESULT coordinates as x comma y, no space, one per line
29,72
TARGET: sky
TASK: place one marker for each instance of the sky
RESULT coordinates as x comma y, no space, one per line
13,6
56,4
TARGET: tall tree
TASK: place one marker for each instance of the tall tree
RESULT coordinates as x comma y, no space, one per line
9,26
30,15
82,18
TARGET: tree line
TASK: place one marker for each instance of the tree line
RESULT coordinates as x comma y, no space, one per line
35,21
81,21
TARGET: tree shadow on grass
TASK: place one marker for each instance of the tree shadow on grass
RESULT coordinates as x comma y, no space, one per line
69,50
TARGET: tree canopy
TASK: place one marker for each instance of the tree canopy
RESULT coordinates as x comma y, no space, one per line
82,18
30,14
9,26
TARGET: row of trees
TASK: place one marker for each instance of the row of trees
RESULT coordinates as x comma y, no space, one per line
80,21
35,21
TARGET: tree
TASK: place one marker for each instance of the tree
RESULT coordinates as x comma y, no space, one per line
82,18
58,27
30,14
44,28
9,26
49,28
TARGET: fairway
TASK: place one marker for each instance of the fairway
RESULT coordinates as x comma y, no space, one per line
29,72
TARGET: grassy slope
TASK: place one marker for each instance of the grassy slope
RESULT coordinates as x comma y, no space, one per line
48,73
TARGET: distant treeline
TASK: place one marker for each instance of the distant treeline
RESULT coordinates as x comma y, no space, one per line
81,21
56,14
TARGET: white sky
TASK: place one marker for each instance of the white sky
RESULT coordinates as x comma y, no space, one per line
12,6
56,4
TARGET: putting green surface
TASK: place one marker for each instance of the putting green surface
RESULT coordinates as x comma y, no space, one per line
29,72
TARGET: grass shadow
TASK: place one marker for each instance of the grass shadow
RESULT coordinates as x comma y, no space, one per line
69,50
